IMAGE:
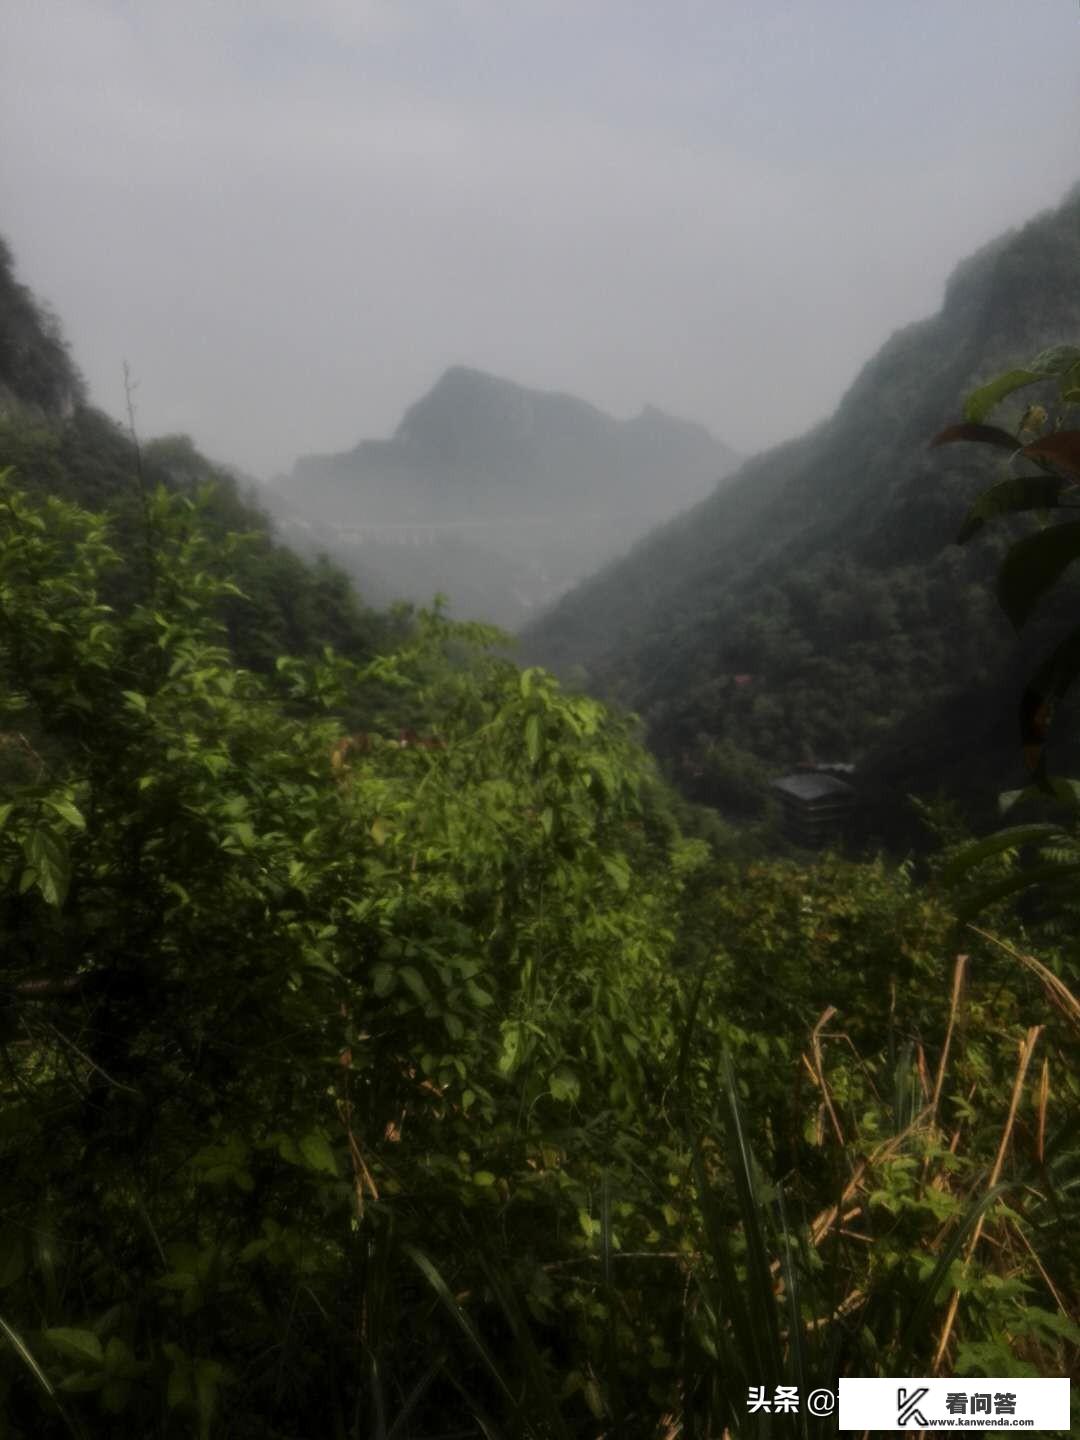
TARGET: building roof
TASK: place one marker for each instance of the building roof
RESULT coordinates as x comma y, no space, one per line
807,788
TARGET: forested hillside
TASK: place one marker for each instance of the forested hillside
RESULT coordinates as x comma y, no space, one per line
36,370
60,446
387,1053
825,572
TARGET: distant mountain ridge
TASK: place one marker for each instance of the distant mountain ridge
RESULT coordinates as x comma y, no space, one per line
477,444
498,495
824,568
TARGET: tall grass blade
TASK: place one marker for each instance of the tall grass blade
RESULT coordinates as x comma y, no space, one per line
905,1089
19,1345
611,1343
916,1327
764,1320
415,1395
793,1304
686,1038
442,1290
539,1399
375,1380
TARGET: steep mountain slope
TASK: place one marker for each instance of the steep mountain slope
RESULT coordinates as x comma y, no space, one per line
814,606
56,444
501,495
36,372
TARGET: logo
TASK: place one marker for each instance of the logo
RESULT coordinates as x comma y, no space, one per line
907,1403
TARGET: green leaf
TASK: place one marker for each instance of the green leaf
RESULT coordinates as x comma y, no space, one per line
119,1360
83,1382
1011,839
314,961
135,700
484,1179
1033,565
480,998
180,1281
455,1028
619,870
81,1345
67,810
383,979
1021,492
1056,360
415,982
317,1154
47,855
565,1085
239,836
1022,880
532,737
209,1376
1055,787
511,1047
288,1149
919,1316
982,401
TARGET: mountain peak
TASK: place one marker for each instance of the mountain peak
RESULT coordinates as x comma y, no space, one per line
468,417
480,448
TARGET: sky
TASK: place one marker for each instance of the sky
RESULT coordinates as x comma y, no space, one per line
290,216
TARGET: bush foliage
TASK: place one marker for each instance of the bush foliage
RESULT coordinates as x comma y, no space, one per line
379,1058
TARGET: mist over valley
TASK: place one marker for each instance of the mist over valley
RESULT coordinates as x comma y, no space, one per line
539,723
495,495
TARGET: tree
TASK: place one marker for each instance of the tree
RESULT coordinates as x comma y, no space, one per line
1031,568
245,951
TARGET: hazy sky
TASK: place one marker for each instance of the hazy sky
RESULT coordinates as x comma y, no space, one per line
291,215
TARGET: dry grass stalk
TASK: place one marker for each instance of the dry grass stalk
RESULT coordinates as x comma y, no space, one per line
845,1307
959,975
1044,1099
1065,1310
923,1073
959,972
1057,991
824,1222
362,1176
817,1069
1027,1048
959,1129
